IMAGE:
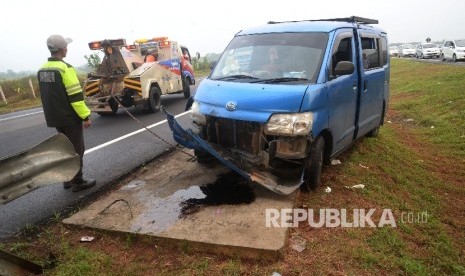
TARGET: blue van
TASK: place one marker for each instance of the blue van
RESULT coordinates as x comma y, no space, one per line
287,97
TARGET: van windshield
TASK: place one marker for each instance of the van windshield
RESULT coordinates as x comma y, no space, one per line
272,58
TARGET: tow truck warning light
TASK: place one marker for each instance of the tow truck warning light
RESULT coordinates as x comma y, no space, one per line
96,45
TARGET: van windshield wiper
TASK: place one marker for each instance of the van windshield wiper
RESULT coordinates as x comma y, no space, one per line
278,80
236,77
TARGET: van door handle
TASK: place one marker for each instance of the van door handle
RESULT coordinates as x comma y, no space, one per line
365,88
354,87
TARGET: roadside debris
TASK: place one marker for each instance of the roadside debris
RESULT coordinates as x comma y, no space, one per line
328,190
358,186
87,239
365,167
298,243
335,162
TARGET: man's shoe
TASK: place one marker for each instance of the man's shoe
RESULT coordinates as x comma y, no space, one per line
67,184
84,184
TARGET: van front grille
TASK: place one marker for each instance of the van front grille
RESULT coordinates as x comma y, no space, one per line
241,135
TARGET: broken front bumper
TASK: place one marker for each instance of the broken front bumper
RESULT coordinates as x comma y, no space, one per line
189,139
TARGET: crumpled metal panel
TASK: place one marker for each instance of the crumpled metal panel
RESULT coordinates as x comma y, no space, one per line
190,140
52,161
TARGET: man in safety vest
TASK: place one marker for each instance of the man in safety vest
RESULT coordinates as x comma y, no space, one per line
63,102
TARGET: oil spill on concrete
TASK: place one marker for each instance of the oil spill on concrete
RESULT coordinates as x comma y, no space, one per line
230,188
162,213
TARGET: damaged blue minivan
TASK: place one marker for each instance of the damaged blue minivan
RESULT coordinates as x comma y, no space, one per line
287,97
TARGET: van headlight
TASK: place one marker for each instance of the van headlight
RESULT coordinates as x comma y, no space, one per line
197,117
289,124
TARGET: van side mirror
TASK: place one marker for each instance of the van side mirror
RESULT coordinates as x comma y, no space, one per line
344,68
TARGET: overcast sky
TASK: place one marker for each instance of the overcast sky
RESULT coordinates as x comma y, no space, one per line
205,26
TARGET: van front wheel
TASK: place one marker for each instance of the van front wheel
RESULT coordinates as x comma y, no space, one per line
314,165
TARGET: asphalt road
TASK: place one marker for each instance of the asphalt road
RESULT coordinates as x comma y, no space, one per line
115,146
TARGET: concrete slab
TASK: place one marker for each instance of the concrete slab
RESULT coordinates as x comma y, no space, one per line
175,200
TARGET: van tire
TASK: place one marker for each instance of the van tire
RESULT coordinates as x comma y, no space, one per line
154,99
454,58
186,89
314,165
374,132
113,106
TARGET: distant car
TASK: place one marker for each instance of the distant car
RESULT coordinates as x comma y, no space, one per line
407,50
394,51
453,50
440,48
427,50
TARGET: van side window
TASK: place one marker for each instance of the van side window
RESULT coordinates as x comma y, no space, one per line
384,51
342,52
370,53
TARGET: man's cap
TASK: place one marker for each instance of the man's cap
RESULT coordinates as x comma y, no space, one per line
57,42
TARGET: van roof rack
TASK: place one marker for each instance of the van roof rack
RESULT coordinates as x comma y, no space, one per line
353,19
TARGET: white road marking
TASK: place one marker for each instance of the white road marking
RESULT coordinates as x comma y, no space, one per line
130,134
19,116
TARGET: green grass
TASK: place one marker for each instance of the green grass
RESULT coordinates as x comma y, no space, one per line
396,179
432,96
81,261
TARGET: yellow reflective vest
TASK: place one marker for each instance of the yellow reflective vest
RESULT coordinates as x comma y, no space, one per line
61,94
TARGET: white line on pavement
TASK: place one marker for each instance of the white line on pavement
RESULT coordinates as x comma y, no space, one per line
14,117
130,134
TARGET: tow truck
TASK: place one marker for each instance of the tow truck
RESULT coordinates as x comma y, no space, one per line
123,78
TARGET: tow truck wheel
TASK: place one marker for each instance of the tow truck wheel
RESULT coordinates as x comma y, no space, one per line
114,108
186,89
154,99
314,165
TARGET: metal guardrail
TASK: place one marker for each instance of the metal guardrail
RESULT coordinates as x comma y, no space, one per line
52,161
